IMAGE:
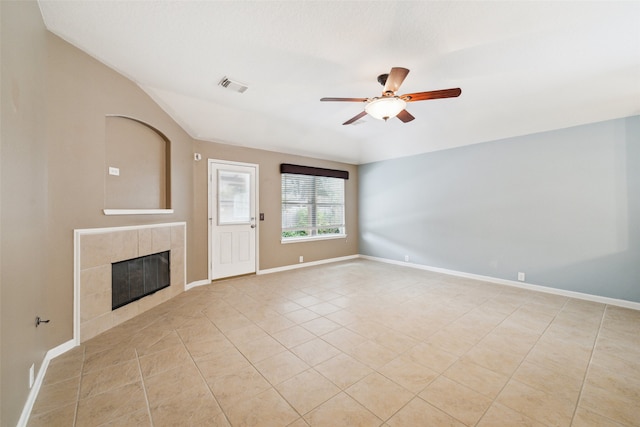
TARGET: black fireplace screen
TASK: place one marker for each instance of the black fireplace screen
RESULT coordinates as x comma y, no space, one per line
135,278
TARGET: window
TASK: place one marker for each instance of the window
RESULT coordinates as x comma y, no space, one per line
312,206
233,197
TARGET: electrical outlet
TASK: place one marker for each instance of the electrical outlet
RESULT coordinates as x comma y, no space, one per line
406,258
301,259
31,375
521,277
114,171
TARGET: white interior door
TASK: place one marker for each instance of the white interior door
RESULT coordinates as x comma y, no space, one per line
232,219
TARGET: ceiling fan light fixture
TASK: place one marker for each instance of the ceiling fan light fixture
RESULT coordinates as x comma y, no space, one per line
385,107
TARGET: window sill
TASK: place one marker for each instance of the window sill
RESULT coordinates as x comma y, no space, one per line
137,211
312,239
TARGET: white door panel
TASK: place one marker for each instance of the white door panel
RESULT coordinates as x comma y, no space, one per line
232,219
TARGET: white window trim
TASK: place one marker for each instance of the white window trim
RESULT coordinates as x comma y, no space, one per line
312,238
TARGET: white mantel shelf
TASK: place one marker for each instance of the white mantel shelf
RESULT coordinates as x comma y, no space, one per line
137,211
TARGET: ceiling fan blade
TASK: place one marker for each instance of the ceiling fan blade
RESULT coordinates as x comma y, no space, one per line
345,99
434,94
353,119
395,79
405,116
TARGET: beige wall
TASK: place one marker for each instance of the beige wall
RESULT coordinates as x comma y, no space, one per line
272,253
53,181
23,203
140,153
82,92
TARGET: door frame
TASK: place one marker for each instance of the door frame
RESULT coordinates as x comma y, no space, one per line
211,189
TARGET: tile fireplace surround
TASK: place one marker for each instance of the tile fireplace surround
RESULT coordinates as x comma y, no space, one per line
95,250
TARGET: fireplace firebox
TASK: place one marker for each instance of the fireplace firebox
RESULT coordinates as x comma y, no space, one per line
138,277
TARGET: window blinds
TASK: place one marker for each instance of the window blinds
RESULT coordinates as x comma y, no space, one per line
312,205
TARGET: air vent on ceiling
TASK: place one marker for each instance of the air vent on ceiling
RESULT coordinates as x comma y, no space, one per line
233,85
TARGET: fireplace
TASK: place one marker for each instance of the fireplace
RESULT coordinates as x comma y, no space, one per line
96,250
135,278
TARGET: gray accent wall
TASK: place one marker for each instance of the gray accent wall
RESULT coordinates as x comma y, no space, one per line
561,206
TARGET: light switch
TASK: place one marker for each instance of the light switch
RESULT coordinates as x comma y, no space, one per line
114,171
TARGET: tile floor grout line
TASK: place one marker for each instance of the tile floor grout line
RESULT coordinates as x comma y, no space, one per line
250,363
510,377
144,388
200,372
306,370
75,410
403,353
532,347
269,382
312,409
402,407
442,409
586,371
310,368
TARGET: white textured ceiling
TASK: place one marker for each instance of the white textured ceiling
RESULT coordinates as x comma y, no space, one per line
523,67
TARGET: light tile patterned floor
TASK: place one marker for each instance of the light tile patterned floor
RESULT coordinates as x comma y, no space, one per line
357,343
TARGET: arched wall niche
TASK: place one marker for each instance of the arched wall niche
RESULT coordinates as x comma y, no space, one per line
138,167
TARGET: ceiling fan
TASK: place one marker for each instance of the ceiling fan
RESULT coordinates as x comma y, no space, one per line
391,105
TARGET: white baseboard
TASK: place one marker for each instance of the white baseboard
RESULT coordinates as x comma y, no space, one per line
306,264
571,294
196,284
278,269
33,394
